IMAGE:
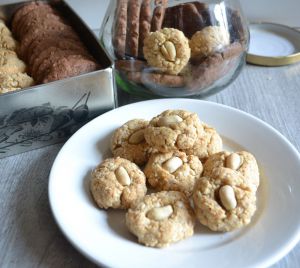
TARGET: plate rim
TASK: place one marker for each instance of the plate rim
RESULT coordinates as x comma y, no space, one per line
283,251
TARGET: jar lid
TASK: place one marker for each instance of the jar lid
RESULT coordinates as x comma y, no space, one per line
273,44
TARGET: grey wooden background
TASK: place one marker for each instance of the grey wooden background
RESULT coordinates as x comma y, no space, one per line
29,236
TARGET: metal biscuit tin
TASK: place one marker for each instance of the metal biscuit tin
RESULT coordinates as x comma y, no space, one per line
46,114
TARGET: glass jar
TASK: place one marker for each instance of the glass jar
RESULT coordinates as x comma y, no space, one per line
175,48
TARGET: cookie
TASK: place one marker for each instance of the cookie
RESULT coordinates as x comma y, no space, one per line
167,50
158,14
3,29
56,30
130,65
161,219
133,27
8,42
223,202
145,24
184,17
156,79
129,142
209,40
70,66
22,11
208,144
12,82
173,130
173,171
9,63
120,29
117,183
242,162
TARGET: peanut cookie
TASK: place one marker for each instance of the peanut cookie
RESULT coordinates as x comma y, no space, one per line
117,183
242,162
167,49
207,144
9,63
173,171
8,42
209,40
11,82
174,130
3,29
128,141
161,219
223,202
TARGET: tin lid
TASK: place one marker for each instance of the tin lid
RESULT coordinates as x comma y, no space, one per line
273,45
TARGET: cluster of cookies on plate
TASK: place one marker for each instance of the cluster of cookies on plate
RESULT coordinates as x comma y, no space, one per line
12,69
49,44
188,173
176,45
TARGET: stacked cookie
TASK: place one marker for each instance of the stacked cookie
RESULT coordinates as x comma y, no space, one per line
182,158
49,44
175,46
12,70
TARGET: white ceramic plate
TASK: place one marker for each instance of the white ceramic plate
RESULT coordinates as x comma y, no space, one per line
102,236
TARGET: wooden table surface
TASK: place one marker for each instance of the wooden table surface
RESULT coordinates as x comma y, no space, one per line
29,236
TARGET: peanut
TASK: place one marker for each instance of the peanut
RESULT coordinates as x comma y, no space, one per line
160,213
123,176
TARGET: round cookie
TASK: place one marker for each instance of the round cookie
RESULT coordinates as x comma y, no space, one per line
167,49
174,130
161,219
128,141
12,82
3,28
242,162
8,42
207,144
69,66
173,171
208,41
223,202
9,63
117,183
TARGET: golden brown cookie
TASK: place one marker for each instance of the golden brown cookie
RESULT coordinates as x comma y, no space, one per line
167,50
3,29
173,130
8,42
117,183
173,171
129,142
161,219
12,82
209,40
208,144
10,63
224,202
242,162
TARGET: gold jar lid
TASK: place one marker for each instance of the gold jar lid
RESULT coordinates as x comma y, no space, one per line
273,44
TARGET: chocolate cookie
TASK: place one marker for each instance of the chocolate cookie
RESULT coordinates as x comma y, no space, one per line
70,66
21,12
132,38
158,15
120,28
145,24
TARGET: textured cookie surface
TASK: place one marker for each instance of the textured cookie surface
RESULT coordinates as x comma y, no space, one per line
173,130
12,82
173,171
117,183
208,144
10,63
129,142
241,162
223,202
167,49
161,219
